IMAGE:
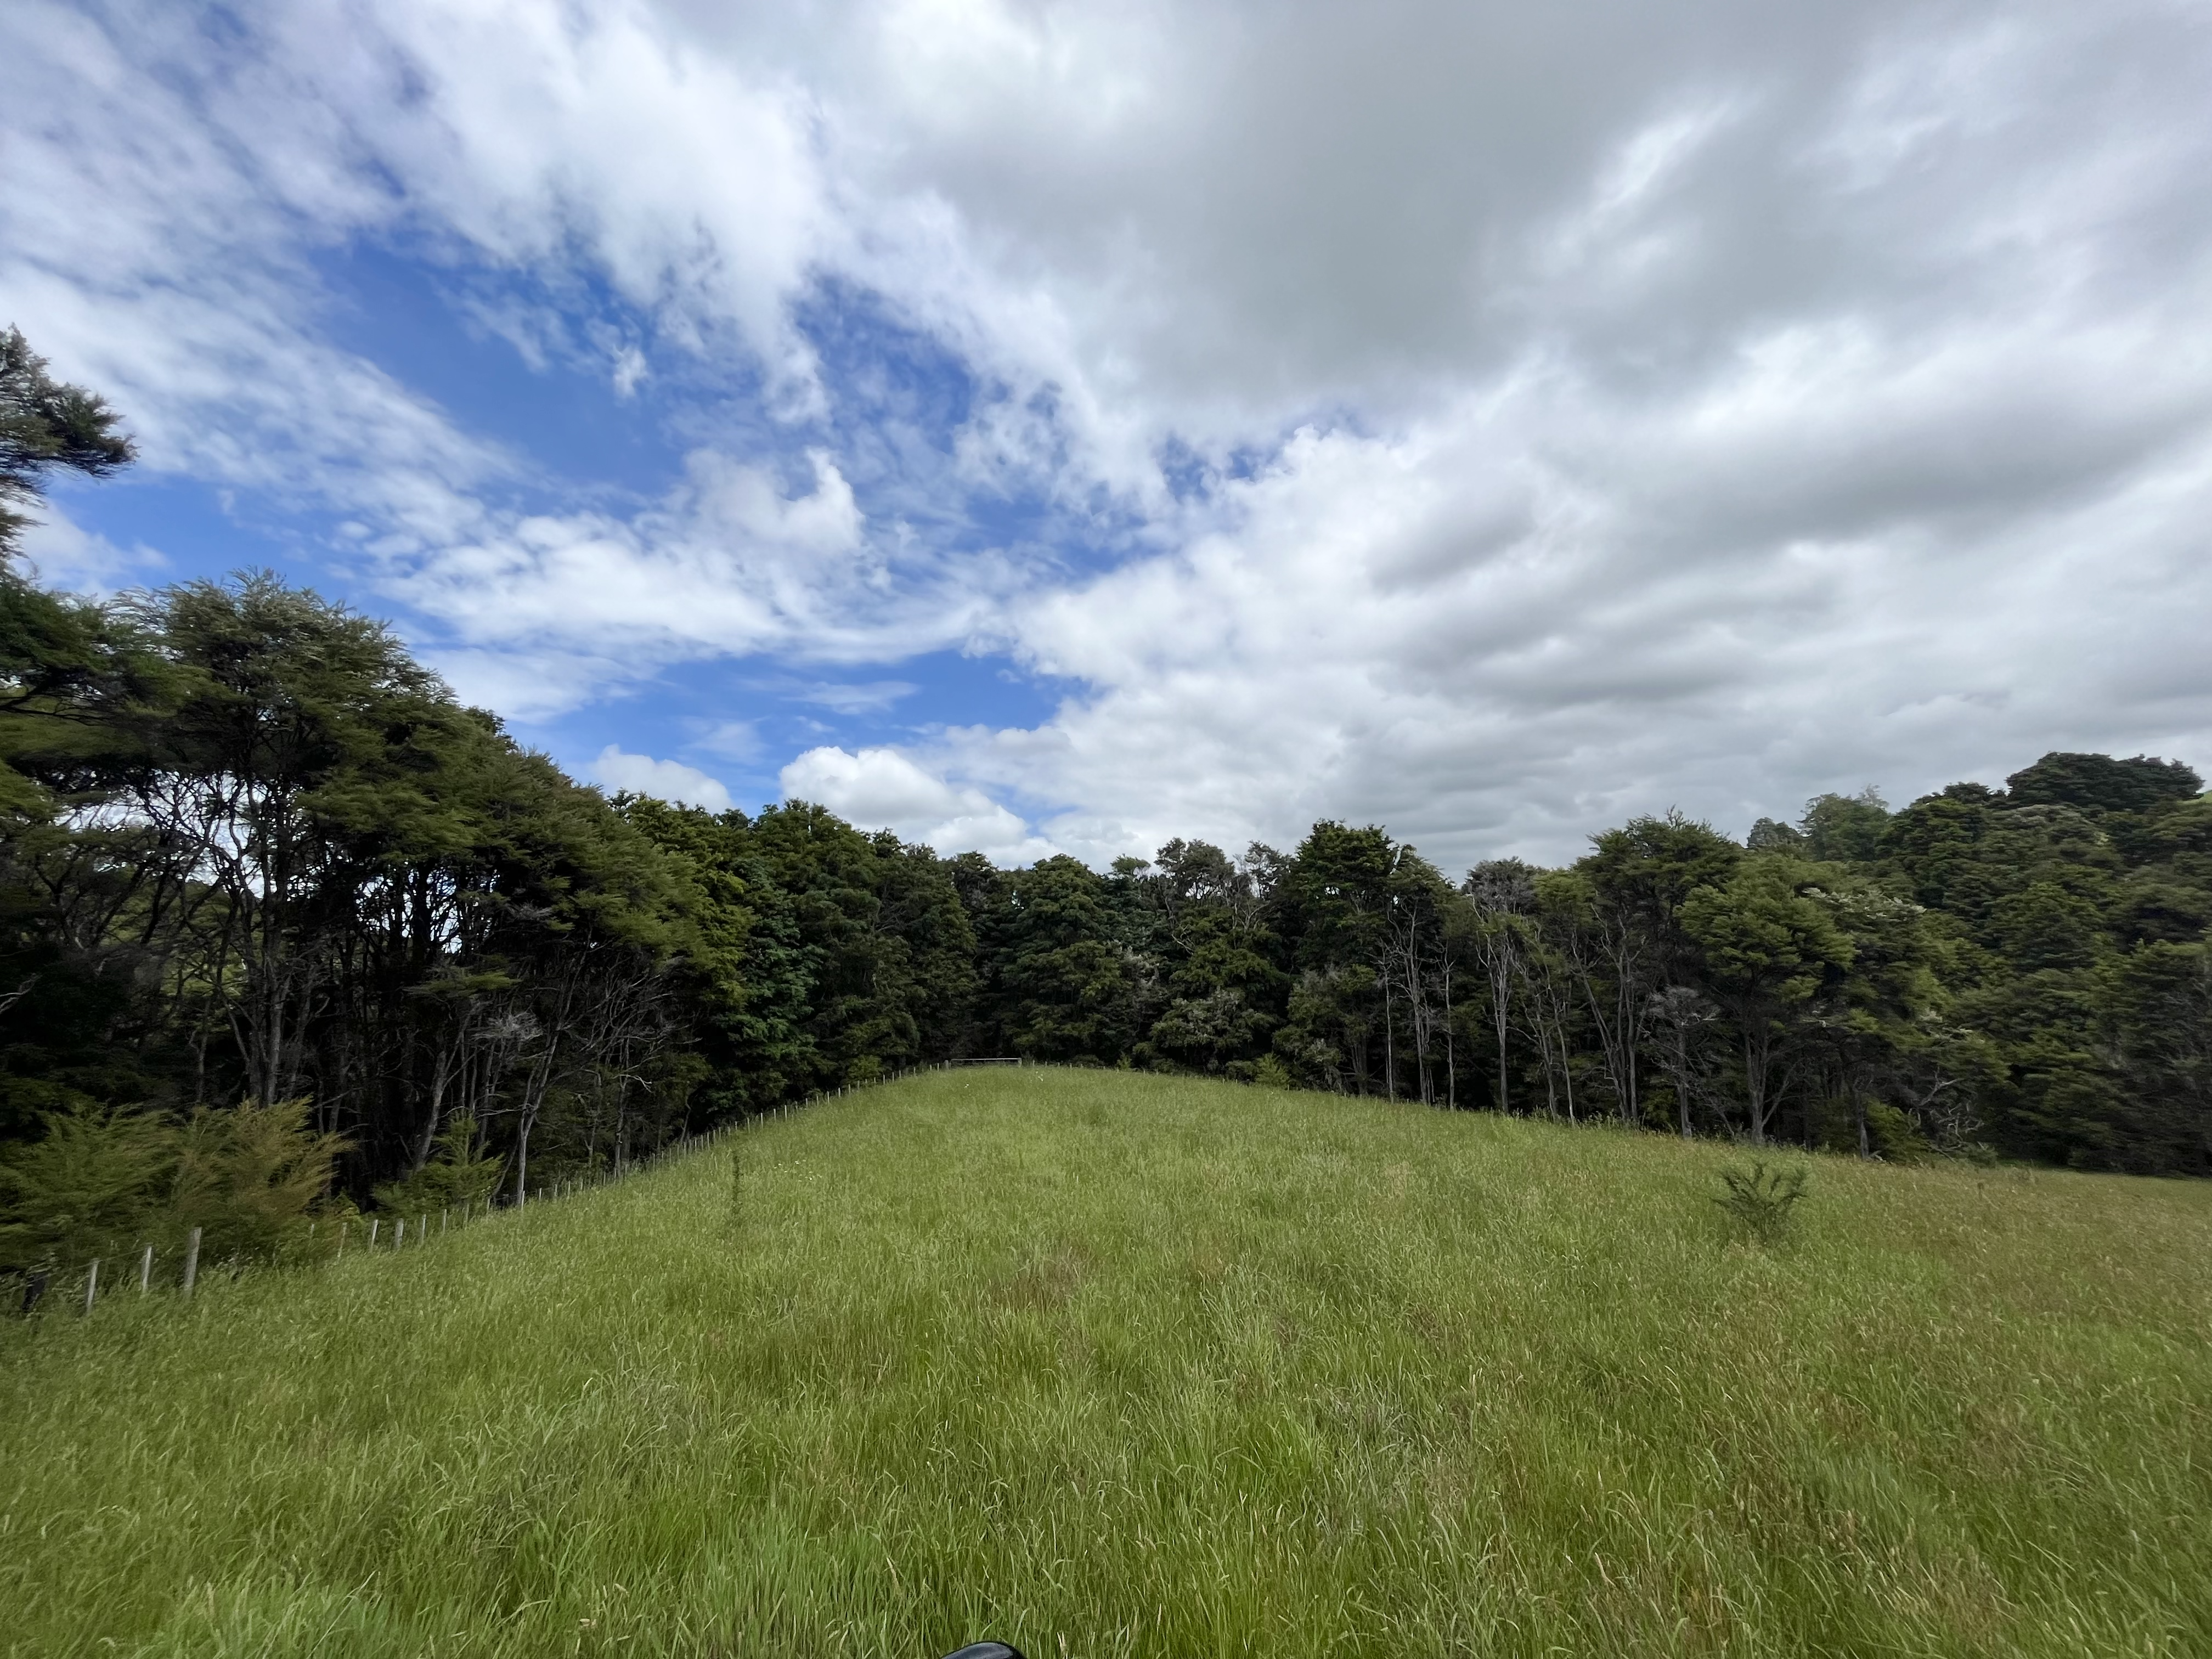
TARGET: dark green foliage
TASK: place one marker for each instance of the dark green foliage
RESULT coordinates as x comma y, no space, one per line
2098,783
1763,1201
247,1176
1649,866
1767,836
2152,1013
1845,828
2044,926
457,1173
1198,915
86,1188
1937,845
1067,984
1771,945
102,1183
46,426
282,863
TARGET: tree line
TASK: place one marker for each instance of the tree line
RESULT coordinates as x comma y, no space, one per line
267,886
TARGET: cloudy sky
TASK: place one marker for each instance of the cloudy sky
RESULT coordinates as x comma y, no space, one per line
1037,425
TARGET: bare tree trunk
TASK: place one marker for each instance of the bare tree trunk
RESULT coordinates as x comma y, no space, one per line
1423,1022
1567,1073
1451,1052
440,1074
1497,962
1757,1067
1389,1041
522,1154
1500,992
1675,1009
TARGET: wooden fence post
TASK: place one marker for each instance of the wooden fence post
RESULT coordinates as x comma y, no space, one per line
91,1283
191,1260
423,1228
374,1222
146,1270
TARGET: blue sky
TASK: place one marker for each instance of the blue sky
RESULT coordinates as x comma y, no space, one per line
525,366
506,358
1041,426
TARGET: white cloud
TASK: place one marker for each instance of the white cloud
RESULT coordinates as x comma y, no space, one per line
226,163
737,740
1698,405
1383,632
871,697
642,775
728,563
65,554
884,789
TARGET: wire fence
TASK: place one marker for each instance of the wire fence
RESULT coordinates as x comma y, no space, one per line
394,1234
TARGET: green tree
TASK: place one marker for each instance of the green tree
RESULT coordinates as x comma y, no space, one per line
246,1176
87,1188
1204,927
1332,902
2153,1019
296,713
1066,985
1938,843
2044,926
459,1171
46,426
1502,902
2099,783
1844,829
1768,946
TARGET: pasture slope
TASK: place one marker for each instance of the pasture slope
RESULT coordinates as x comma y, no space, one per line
1107,1365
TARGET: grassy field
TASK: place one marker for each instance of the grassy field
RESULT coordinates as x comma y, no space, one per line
1111,1365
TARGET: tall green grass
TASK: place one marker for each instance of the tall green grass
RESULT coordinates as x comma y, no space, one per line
1111,1365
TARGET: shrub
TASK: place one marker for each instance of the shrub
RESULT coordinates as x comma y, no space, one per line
1761,1199
91,1187
1894,1135
455,1175
246,1176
